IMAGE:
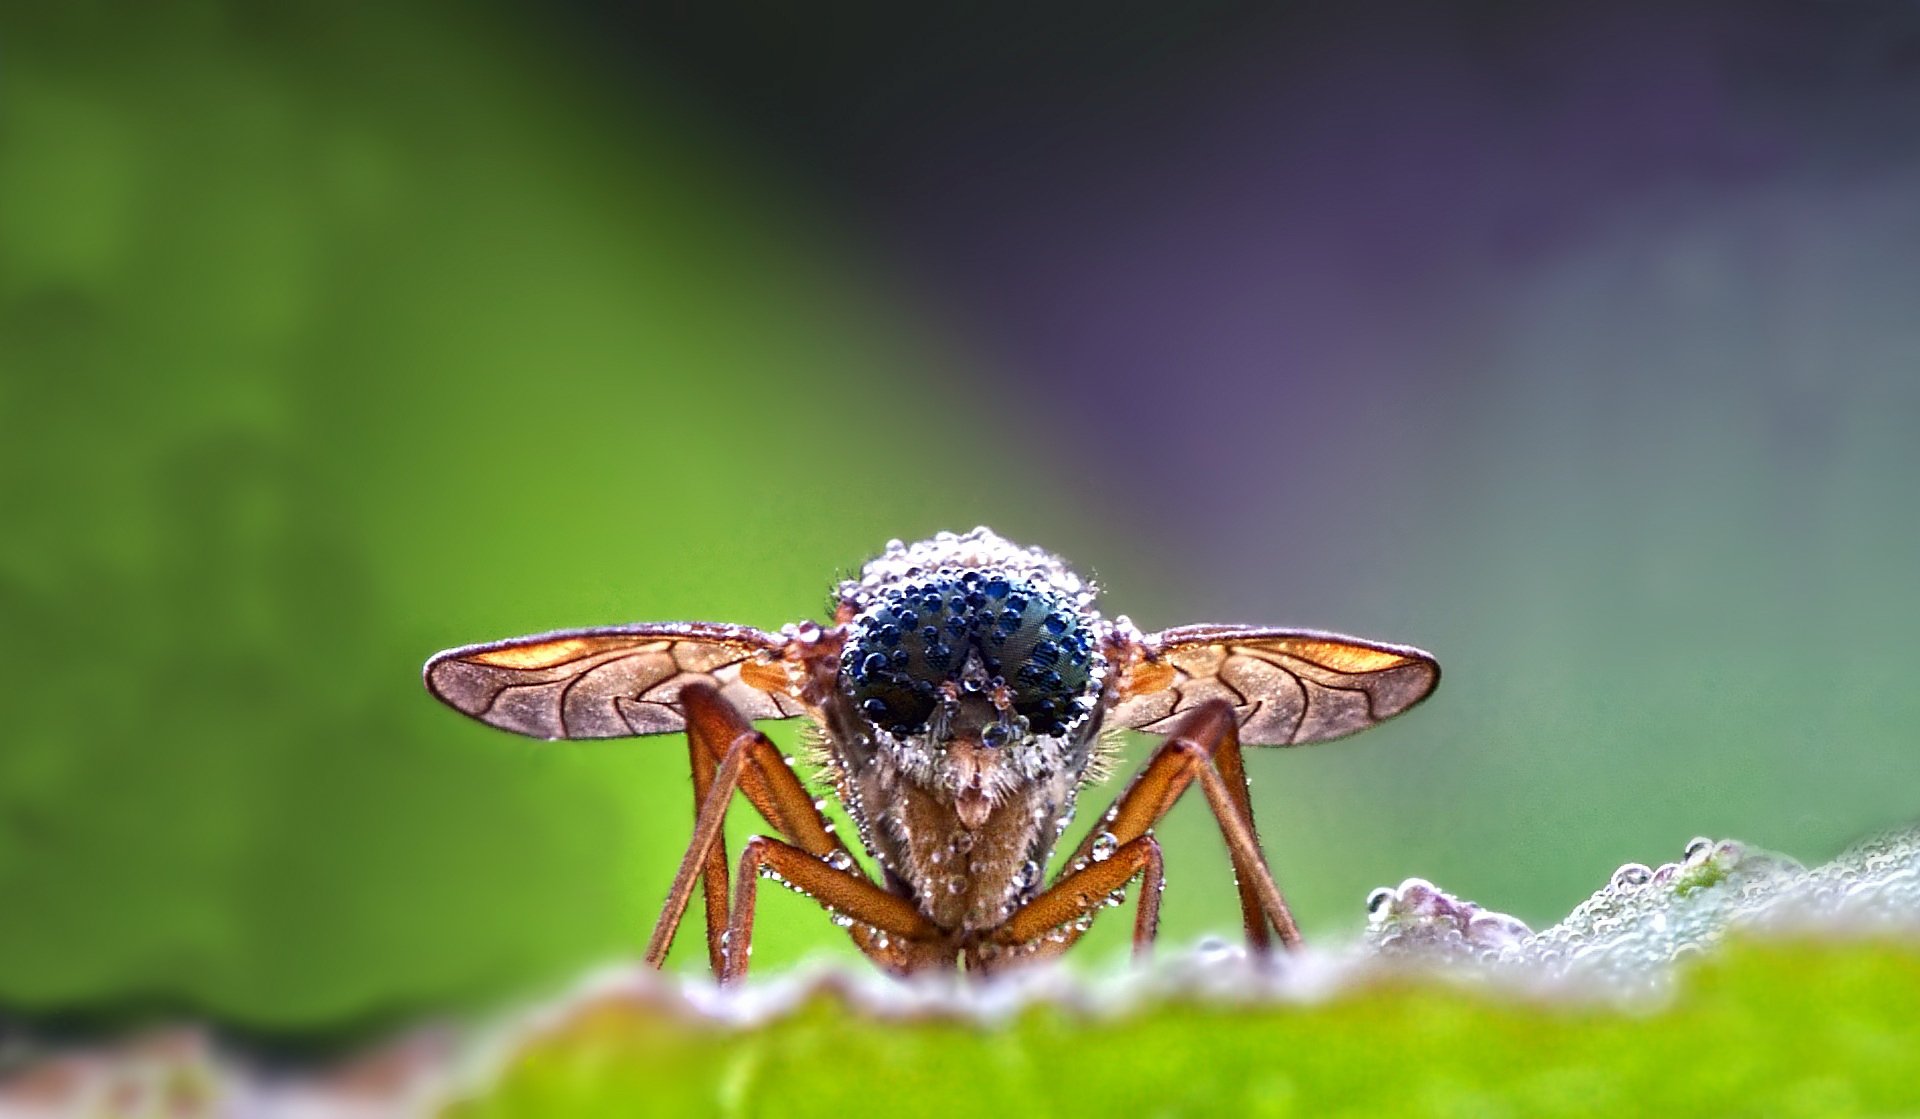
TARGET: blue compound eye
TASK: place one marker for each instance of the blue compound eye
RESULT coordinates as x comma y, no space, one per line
914,642
1044,650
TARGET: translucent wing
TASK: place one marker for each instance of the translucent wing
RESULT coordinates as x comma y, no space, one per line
613,681
1290,687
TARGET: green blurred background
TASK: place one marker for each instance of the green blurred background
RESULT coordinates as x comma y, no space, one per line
332,335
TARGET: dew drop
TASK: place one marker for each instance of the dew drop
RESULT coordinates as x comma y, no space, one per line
1104,845
838,860
1632,875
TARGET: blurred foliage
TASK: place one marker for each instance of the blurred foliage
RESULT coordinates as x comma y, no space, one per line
333,335
1776,1029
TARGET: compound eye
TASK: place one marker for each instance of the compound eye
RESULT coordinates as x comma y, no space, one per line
1047,652
901,712
892,669
918,639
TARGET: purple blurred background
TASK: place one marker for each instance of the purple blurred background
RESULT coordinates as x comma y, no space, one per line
1581,343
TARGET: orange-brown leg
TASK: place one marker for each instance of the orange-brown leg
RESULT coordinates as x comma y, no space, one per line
1203,746
1228,760
728,754
1051,922
848,892
704,758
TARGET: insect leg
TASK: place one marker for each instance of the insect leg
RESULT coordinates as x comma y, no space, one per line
728,754
847,891
705,758
1085,891
1205,746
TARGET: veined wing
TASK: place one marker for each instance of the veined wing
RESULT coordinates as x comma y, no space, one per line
1289,687
612,681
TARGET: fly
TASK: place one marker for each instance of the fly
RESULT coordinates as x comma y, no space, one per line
963,697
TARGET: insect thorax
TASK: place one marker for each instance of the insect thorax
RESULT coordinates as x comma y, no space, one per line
966,716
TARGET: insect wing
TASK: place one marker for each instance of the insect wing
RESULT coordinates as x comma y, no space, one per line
611,682
1289,687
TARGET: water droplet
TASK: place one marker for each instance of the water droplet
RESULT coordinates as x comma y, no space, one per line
957,884
838,860
1697,848
1377,902
839,919
1631,876
1104,845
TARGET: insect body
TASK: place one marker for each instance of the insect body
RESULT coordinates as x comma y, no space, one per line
961,695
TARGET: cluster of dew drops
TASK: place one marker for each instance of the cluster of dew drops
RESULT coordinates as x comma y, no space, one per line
1645,918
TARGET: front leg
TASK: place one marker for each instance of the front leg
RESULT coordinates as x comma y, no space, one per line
1203,746
728,755
1050,924
845,891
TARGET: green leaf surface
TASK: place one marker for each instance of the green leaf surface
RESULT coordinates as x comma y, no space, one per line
1788,1028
